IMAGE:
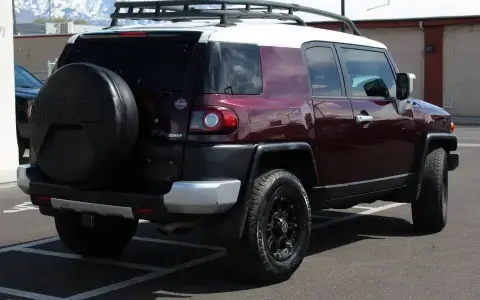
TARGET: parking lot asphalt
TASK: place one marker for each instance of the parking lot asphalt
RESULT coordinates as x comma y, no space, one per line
367,252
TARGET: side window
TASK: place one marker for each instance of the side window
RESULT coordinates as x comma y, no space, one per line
370,73
233,69
324,74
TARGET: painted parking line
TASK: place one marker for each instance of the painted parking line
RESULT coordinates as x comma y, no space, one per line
29,244
362,207
7,185
28,295
356,215
93,260
468,145
155,272
140,279
178,243
27,205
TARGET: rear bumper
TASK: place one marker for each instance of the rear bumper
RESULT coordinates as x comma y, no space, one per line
453,161
185,197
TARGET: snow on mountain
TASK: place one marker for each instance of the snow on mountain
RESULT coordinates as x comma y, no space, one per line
96,12
92,11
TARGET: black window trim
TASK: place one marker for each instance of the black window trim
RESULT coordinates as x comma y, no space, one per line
314,44
339,46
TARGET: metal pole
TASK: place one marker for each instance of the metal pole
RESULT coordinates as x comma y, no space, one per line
49,10
343,13
14,18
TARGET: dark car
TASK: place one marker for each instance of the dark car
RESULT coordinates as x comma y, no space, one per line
232,130
26,90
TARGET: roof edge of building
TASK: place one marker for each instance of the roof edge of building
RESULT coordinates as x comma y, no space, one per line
406,22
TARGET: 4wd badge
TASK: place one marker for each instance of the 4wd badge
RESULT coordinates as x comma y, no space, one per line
180,104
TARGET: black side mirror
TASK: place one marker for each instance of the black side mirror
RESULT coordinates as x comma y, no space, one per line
405,85
376,88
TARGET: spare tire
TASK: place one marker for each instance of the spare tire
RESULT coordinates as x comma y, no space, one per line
85,124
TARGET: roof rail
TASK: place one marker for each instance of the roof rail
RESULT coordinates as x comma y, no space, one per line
175,10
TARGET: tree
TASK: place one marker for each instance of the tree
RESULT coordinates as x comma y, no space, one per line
80,22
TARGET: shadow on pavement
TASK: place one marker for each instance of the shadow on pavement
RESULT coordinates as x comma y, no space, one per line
216,276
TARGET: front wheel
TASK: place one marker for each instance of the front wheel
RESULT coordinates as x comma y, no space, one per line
277,229
429,211
106,238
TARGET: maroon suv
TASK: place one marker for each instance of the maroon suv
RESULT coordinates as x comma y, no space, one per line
236,129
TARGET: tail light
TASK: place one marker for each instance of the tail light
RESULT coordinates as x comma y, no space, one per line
452,127
41,198
132,34
220,120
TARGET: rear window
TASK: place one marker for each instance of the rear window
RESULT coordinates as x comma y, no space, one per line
161,63
158,63
233,69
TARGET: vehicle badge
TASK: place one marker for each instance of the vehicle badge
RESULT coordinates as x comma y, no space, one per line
181,104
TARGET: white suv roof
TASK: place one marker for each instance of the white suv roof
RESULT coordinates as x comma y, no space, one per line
259,33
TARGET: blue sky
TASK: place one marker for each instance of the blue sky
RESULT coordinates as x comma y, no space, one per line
398,9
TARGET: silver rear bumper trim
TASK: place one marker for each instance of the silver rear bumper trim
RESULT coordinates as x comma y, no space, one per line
185,197
23,182
85,207
202,197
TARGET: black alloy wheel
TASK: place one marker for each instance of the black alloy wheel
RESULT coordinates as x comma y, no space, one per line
283,229
277,229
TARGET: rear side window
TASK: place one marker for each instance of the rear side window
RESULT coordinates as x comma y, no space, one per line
370,73
233,69
323,70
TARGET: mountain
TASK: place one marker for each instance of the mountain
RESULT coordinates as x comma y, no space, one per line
96,12
93,11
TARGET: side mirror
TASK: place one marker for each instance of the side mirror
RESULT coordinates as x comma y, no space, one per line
376,88
405,85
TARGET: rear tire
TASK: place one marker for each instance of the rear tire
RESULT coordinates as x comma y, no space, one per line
278,211
107,238
429,211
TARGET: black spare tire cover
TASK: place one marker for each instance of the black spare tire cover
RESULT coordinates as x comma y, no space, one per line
85,123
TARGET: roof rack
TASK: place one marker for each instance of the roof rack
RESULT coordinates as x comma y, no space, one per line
177,10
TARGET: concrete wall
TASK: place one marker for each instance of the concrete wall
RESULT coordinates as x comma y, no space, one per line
406,47
8,143
448,73
461,58
34,52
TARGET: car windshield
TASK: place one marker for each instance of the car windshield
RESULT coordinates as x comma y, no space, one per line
23,79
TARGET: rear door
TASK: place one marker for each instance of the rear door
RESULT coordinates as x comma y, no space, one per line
155,66
334,123
384,136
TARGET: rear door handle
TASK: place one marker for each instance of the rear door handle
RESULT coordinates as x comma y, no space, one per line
361,119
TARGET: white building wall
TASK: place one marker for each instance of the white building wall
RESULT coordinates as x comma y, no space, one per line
461,64
69,27
8,143
406,45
